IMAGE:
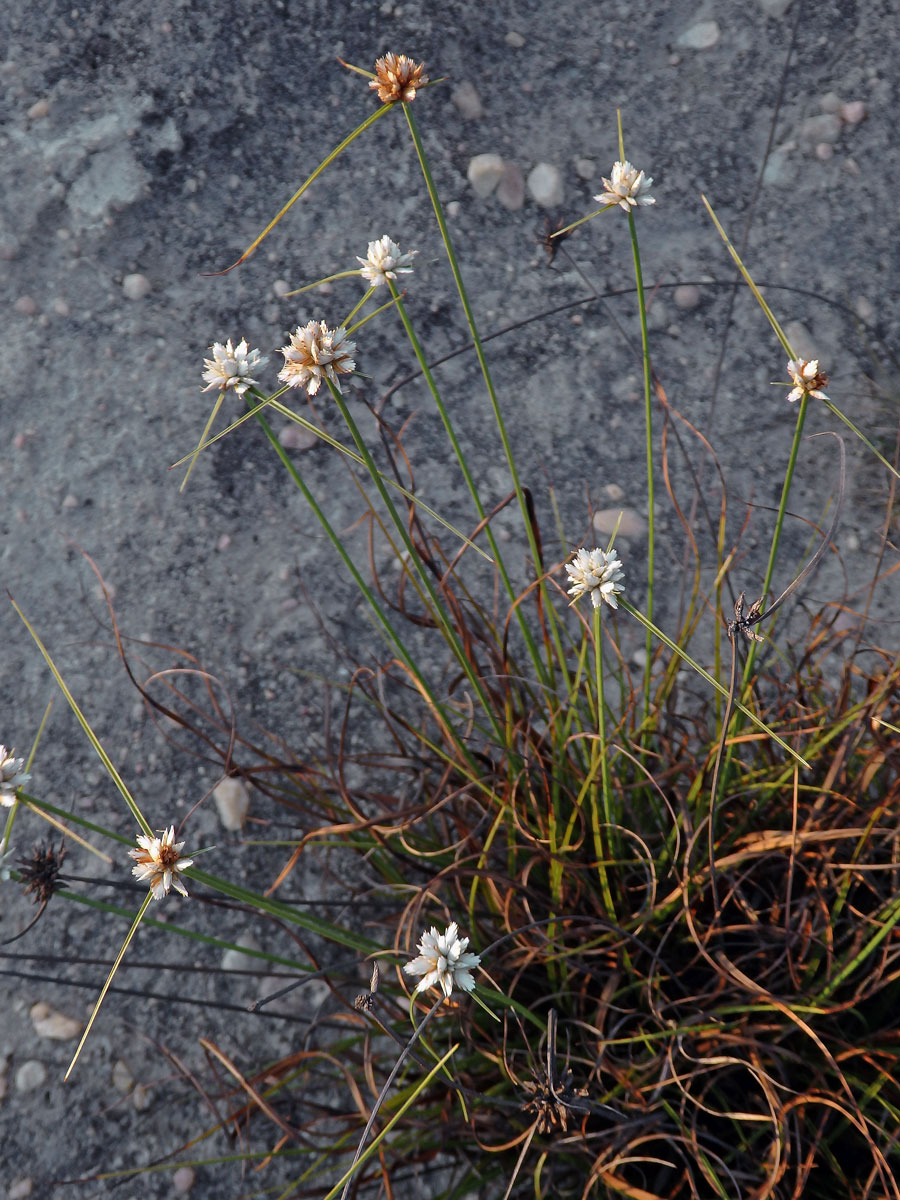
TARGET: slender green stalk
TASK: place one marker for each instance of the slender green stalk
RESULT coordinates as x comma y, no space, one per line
387,628
492,394
648,444
438,608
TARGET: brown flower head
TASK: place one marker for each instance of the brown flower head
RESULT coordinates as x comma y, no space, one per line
550,1102
316,353
398,78
159,861
41,872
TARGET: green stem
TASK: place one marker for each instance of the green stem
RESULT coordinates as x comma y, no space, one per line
415,560
648,443
542,670
387,628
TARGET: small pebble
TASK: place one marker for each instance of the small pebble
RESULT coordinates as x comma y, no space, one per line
183,1180
53,1025
687,295
864,308
614,491
774,8
585,168
9,248
824,151
701,36
295,437
20,1189
141,1098
545,185
467,101
824,128
484,173
281,287
632,523
123,1080
853,112
515,40
136,287
234,960
830,102
802,340
60,307
232,802
26,306
70,501
223,542
511,189
40,108
31,1075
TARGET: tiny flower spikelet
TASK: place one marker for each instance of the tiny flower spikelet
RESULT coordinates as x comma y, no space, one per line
807,379
384,260
598,573
398,78
158,862
316,353
232,366
11,776
627,188
443,960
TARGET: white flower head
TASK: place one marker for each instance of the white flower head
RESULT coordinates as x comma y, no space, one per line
316,353
385,260
232,366
158,862
598,573
807,379
398,78
443,960
628,187
11,776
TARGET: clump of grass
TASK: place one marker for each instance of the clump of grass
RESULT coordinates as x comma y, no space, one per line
669,962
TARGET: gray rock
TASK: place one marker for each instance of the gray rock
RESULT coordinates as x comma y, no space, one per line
702,35
467,101
30,1076
484,173
545,185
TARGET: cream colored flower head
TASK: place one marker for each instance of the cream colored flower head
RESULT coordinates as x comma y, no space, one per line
11,776
385,260
158,862
807,379
316,353
232,366
398,78
443,961
628,187
597,573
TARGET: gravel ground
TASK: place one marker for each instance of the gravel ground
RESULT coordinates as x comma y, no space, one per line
149,142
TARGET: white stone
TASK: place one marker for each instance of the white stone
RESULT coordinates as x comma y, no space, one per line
687,295
484,173
514,39
136,287
295,437
700,36
141,1098
123,1080
585,168
232,801
545,185
183,1180
31,1075
853,112
823,128
40,108
511,189
467,101
830,102
802,340
236,960
632,524
53,1025
20,1189
614,492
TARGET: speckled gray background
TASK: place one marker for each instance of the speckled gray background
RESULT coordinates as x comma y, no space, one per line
155,139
